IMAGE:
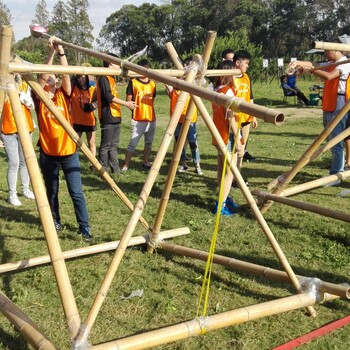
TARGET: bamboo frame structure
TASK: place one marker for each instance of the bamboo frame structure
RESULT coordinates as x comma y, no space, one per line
79,331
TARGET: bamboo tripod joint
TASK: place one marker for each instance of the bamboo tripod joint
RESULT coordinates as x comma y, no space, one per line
313,287
81,342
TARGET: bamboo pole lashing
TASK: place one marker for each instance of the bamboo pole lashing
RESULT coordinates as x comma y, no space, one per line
183,133
89,250
302,205
233,103
250,200
119,253
195,327
339,290
30,331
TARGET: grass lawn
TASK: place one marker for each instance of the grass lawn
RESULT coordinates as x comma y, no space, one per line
314,245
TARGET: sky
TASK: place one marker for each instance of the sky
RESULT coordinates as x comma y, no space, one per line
23,11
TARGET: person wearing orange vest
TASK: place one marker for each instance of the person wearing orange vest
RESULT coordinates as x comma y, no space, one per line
143,92
243,89
336,92
57,149
13,148
225,122
192,131
82,109
110,116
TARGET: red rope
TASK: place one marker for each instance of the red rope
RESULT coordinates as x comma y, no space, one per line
314,334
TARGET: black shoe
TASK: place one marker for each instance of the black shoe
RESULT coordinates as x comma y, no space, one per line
85,233
147,165
248,156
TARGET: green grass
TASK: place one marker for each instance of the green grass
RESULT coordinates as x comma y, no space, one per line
315,246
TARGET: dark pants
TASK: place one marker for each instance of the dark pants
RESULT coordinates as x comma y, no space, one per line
50,166
108,154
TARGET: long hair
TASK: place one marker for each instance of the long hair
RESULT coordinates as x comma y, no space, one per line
224,79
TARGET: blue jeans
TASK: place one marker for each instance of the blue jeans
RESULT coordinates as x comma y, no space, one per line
108,153
50,167
192,141
337,150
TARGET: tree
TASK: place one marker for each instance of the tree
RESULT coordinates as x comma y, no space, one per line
5,15
42,15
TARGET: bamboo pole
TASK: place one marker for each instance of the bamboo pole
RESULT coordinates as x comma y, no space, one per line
181,140
139,207
86,151
302,205
315,183
199,326
339,290
282,181
31,68
233,103
58,263
89,250
33,335
331,143
323,45
250,200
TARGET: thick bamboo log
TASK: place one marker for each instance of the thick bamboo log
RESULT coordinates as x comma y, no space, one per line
233,103
130,228
33,335
58,263
323,45
79,142
89,250
315,183
182,138
199,326
31,68
340,290
250,200
302,205
282,181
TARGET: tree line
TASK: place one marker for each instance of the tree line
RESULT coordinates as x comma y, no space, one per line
266,28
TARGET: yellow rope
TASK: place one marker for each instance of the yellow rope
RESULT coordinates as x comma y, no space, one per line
204,294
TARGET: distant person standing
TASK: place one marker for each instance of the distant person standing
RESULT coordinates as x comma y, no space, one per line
110,116
12,144
227,54
142,92
243,89
82,110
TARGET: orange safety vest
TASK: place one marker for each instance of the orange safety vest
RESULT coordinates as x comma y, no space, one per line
220,120
242,88
114,107
53,139
8,124
330,93
78,99
174,96
143,95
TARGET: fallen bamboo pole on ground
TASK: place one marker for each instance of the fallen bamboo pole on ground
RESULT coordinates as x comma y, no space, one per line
302,205
93,249
340,290
200,326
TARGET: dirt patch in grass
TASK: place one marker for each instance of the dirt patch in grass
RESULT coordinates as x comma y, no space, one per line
301,112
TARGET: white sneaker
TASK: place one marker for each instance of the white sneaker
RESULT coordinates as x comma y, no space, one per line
199,170
28,194
13,199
